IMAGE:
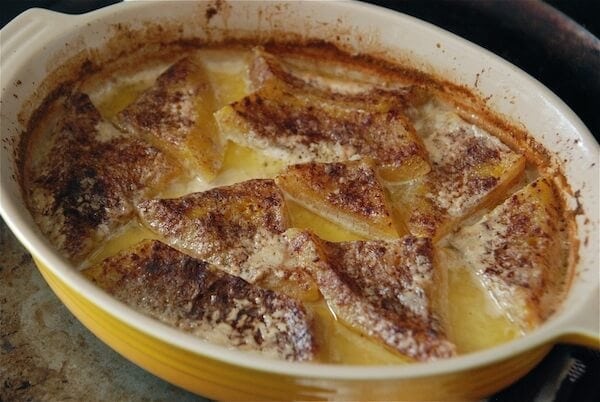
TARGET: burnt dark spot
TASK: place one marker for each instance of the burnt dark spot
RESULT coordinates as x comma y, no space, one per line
84,197
153,266
210,12
24,385
88,67
6,346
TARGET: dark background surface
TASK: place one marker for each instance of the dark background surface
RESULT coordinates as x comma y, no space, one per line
555,41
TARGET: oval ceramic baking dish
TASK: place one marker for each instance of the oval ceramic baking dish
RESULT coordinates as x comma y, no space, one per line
37,41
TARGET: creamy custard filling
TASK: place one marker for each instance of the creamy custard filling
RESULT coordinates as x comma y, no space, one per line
467,307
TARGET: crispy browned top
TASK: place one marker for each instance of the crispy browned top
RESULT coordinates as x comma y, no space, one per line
286,124
352,187
393,276
383,289
238,228
467,162
168,109
85,187
268,69
518,251
176,115
469,166
315,124
468,155
192,295
215,221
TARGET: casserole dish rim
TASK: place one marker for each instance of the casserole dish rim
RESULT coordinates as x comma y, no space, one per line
42,251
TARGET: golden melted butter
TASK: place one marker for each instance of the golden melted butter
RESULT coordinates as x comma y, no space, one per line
302,218
470,326
341,345
227,72
132,234
228,87
120,96
242,163
474,321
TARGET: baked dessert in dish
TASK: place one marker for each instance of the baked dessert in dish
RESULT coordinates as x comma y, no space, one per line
299,202
291,119
176,115
517,252
238,228
346,193
384,289
195,296
86,175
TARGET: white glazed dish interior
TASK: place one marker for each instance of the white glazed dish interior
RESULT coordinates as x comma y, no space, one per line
34,43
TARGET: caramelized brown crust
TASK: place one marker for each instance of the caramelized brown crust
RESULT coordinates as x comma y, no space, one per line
336,75
215,222
302,123
348,194
518,254
470,169
313,103
384,289
238,228
330,80
176,115
83,189
196,297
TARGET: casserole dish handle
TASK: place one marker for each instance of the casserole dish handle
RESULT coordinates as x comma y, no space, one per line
28,27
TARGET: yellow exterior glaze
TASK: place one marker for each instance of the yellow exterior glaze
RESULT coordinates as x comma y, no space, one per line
582,340
47,35
214,379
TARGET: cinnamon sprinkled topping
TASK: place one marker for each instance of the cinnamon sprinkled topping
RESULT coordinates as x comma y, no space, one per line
307,123
176,114
196,297
518,253
383,289
238,228
469,169
84,189
347,193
